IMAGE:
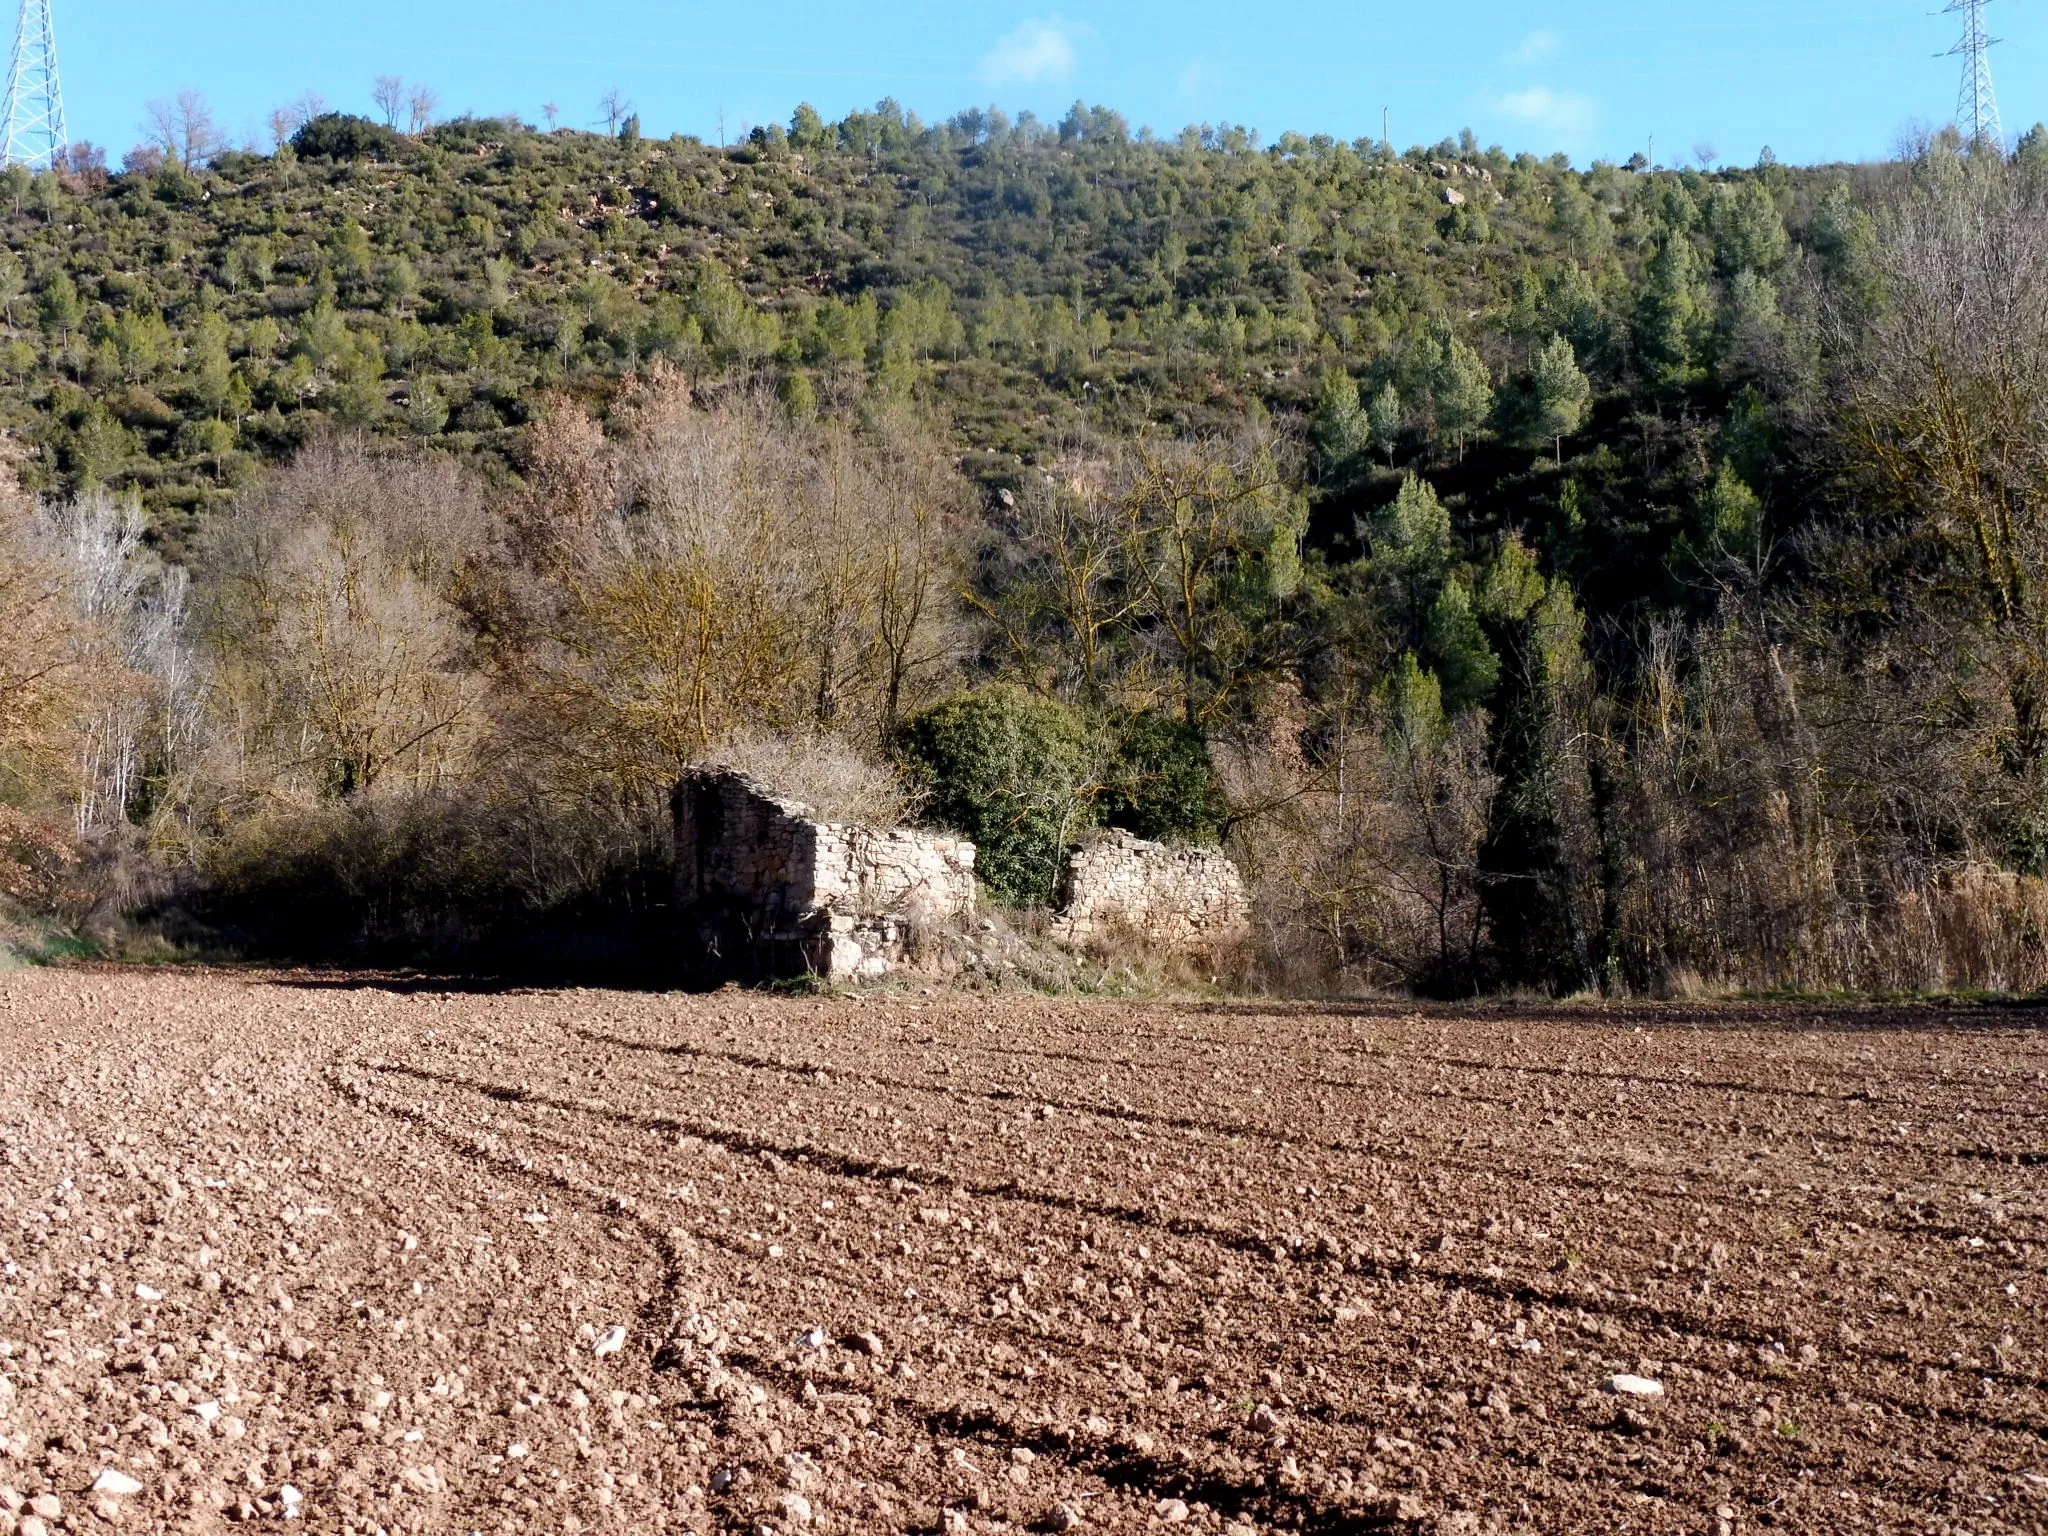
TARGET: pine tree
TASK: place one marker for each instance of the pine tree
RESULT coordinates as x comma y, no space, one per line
1460,387
1384,420
1411,553
1342,431
1559,395
1749,234
1528,883
1458,651
1673,316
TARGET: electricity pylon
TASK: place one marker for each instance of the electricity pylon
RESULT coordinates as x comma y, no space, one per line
35,98
1976,103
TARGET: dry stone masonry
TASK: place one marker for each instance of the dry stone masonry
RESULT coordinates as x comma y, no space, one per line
768,890
1183,900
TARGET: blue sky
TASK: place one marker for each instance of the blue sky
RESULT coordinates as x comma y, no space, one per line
1814,79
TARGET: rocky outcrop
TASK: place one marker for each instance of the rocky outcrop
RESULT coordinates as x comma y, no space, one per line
766,889
1182,900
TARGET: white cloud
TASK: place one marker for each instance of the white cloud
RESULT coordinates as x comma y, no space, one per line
1537,47
1563,113
1038,52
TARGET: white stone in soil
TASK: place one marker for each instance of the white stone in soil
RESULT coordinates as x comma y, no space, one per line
1635,1386
116,1483
610,1342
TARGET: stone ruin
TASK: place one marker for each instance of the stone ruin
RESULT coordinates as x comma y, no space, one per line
767,890
1181,900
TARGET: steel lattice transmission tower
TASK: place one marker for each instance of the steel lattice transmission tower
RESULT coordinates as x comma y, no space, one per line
35,98
1976,103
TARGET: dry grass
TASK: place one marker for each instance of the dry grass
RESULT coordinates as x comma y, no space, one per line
828,775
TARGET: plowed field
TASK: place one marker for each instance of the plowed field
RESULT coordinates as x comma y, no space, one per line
364,1256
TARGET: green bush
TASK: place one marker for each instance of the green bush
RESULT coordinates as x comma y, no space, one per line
1017,773
1162,784
343,136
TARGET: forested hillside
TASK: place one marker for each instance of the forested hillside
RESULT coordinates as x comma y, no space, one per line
1620,578
173,327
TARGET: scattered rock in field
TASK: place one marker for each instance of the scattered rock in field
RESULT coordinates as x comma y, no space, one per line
1635,1386
10,1501
47,1505
1061,1517
796,1509
116,1483
610,1342
723,1479
814,1338
148,1293
32,1525
1172,1511
291,1499
208,1413
868,1343
1264,1419
1023,1455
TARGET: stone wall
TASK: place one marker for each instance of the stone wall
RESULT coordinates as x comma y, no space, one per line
1183,900
768,890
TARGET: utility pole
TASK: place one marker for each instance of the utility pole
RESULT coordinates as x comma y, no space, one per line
1976,102
35,99
1386,138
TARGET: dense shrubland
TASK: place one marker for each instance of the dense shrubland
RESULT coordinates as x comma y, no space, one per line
1623,579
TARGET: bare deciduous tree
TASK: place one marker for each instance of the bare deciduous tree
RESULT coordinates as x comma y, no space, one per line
183,127
288,119
1168,561
36,664
751,575
615,109
388,92
419,107
341,657
137,703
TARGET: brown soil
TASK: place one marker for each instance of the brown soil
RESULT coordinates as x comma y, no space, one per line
955,1265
